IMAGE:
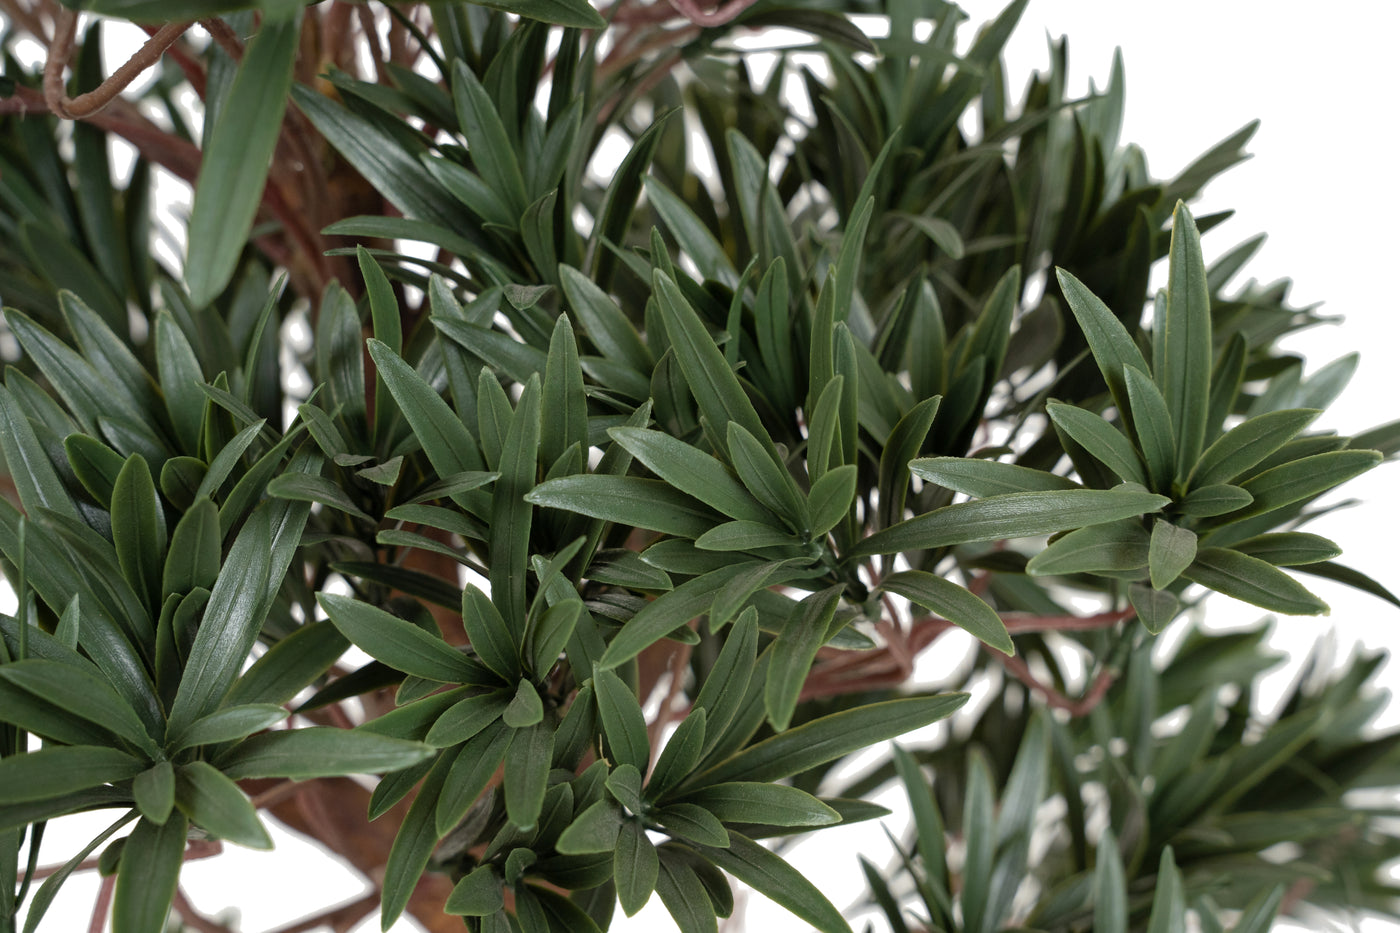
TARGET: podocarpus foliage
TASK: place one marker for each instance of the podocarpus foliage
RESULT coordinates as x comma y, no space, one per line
729,447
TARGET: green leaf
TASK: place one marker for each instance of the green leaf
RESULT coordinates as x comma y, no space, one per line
725,686
466,718
1109,547
319,751
215,803
829,737
30,470
229,724
1153,424
95,465
626,500
1109,341
180,377
565,407
716,389
623,723
491,638
604,323
476,895
193,559
1252,580
692,471
690,232
763,804
236,157
744,536
594,830
489,145
63,769
1110,888
1154,607
1247,444
983,478
831,497
901,447
525,709
668,612
154,791
979,802
1302,479
1217,499
1331,570
1171,551
475,764
635,867
413,845
684,895
576,13
238,603
399,644
511,512
1017,515
290,665
526,773
551,634
774,878
1182,342
79,691
1169,898
953,603
692,823
765,477
683,751
44,897
150,869
794,651
1103,441
614,217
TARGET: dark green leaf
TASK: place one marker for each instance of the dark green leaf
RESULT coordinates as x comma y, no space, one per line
724,688
399,644
1099,438
154,791
525,709
476,895
1171,551
1252,580
215,803
1218,499
626,500
63,769
1110,889
1017,515
1153,424
681,890
983,478
593,830
527,773
692,471
765,477
768,874
794,651
193,560
953,603
744,536
491,638
668,612
95,465
1168,899
1154,607
1247,444
83,693
305,487
413,845
763,804
830,737
150,868
238,603
290,665
1109,340
475,764
690,232
1182,342
623,722
44,897
319,751
1301,479
30,470
229,724
831,497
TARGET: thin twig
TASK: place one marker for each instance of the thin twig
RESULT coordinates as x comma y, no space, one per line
102,905
370,27
676,664
341,917
1054,698
85,105
276,794
224,36
720,15
192,918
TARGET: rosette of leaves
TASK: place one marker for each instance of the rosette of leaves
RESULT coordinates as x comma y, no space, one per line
1194,812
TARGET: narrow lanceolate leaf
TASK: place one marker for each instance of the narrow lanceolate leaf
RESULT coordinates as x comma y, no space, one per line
982,478
63,769
180,378
830,737
235,614
495,643
1018,515
724,689
623,723
1185,339
1249,443
33,474
397,643
774,878
1110,890
146,880
635,866
1153,424
1169,898
1112,546
450,447
603,321
953,603
1216,499
1289,548
511,512
564,411
154,791
230,723
668,612
1109,341
682,753
213,802
692,471
195,548
1171,551
1102,440
476,895
626,500
764,804
1302,479
490,148
1154,607
79,691
576,13
716,389
527,773
1252,580
681,890
320,751
413,845
793,653
236,157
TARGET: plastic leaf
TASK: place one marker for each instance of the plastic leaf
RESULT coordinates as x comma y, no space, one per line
953,603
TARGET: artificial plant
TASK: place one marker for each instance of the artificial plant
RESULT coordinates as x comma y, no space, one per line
553,439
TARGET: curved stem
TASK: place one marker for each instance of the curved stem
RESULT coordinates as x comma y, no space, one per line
85,105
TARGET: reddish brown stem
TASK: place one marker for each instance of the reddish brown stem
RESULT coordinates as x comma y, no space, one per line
1076,707
102,905
85,105
192,918
339,918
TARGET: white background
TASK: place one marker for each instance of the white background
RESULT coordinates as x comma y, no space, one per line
1321,79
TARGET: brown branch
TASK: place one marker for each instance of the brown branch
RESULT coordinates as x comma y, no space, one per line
277,793
189,66
339,918
370,27
201,848
85,105
192,918
676,664
1054,698
720,15
102,905
224,36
